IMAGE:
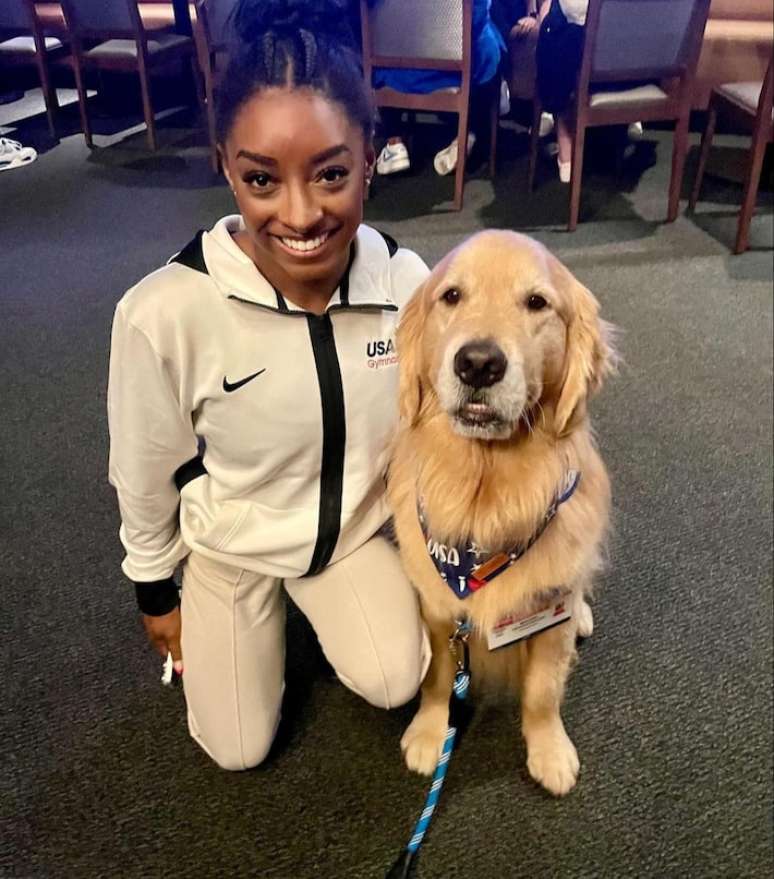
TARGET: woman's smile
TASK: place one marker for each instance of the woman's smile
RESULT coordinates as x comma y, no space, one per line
306,247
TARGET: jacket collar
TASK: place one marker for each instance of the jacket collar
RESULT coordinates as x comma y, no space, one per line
366,284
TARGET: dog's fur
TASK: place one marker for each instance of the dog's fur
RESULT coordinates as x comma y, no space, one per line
491,477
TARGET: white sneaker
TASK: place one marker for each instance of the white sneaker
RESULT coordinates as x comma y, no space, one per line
635,131
446,160
505,98
14,155
565,171
394,157
546,125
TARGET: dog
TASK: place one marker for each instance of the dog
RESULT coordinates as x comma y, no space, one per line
495,467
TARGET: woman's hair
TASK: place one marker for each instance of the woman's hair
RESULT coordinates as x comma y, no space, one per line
294,44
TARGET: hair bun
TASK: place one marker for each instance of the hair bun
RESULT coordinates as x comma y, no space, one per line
255,18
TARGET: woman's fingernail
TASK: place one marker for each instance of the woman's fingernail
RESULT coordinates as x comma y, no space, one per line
178,667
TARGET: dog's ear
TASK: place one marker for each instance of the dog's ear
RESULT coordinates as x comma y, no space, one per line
409,345
589,356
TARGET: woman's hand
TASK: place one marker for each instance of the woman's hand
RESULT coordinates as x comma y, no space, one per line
525,26
164,634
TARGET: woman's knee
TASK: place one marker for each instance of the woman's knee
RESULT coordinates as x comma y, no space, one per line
237,750
391,681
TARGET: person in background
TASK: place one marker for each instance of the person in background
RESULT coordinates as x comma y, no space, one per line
558,59
488,50
252,400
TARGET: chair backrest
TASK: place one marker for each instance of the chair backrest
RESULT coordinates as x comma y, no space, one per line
102,17
643,39
15,15
431,34
215,23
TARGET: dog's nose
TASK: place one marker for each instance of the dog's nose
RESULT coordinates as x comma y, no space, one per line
480,364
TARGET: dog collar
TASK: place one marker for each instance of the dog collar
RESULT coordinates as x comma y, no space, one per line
466,569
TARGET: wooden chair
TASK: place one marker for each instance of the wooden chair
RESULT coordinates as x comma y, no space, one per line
426,35
748,105
109,35
629,42
213,35
23,42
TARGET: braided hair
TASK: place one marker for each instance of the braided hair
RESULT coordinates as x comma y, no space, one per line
294,44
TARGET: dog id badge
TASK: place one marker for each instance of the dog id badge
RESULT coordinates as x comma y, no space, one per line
515,628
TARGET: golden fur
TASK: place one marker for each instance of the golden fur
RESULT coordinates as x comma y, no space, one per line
496,490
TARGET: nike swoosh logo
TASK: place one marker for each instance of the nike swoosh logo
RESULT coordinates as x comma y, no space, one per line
228,386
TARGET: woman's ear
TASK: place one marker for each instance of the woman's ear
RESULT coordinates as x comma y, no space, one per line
409,345
589,357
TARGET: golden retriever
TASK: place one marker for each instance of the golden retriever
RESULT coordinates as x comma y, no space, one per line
499,351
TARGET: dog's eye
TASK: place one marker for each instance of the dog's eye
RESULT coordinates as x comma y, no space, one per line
451,297
536,302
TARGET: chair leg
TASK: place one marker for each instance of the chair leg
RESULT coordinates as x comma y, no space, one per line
209,99
576,176
147,107
494,123
197,84
462,156
706,145
534,143
49,94
80,86
752,179
679,151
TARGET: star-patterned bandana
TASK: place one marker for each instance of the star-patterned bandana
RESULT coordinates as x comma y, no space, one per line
466,569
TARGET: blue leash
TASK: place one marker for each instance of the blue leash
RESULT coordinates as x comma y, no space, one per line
458,643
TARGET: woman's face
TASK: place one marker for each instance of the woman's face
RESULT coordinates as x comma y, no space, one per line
297,165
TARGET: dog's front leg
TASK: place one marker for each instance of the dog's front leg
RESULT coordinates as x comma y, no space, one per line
551,757
423,740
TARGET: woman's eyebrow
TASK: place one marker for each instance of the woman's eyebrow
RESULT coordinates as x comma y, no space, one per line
329,153
256,157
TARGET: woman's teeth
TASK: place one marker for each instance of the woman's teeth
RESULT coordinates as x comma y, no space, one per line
307,244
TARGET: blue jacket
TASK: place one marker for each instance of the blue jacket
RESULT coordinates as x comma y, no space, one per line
488,46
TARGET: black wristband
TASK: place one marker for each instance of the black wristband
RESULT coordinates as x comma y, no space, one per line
158,597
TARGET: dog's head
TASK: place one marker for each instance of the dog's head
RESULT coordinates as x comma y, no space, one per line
499,332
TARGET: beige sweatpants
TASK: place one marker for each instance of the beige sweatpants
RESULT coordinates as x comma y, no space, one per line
363,610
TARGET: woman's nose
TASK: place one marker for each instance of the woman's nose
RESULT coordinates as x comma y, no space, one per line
300,210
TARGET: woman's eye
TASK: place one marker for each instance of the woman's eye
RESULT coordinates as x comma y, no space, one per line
536,302
259,181
451,297
333,175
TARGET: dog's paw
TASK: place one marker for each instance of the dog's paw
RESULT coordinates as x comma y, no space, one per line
553,762
422,743
585,620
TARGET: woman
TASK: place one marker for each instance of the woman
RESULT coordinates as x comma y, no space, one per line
252,397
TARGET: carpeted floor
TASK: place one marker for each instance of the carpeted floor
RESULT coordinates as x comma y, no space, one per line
671,703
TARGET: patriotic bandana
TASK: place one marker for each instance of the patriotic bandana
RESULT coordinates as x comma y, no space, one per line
466,569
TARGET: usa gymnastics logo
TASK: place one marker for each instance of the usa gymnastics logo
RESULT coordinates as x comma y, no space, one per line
380,353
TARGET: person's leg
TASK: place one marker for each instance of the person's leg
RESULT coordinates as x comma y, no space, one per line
233,640
366,616
564,142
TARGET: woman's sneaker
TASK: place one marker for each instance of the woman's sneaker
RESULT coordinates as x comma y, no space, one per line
14,155
446,160
394,157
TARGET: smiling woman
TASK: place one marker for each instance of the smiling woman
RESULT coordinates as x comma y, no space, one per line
250,417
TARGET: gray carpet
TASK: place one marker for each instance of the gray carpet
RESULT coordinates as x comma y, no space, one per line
671,703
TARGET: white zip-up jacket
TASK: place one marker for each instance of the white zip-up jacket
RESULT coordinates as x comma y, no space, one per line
245,428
